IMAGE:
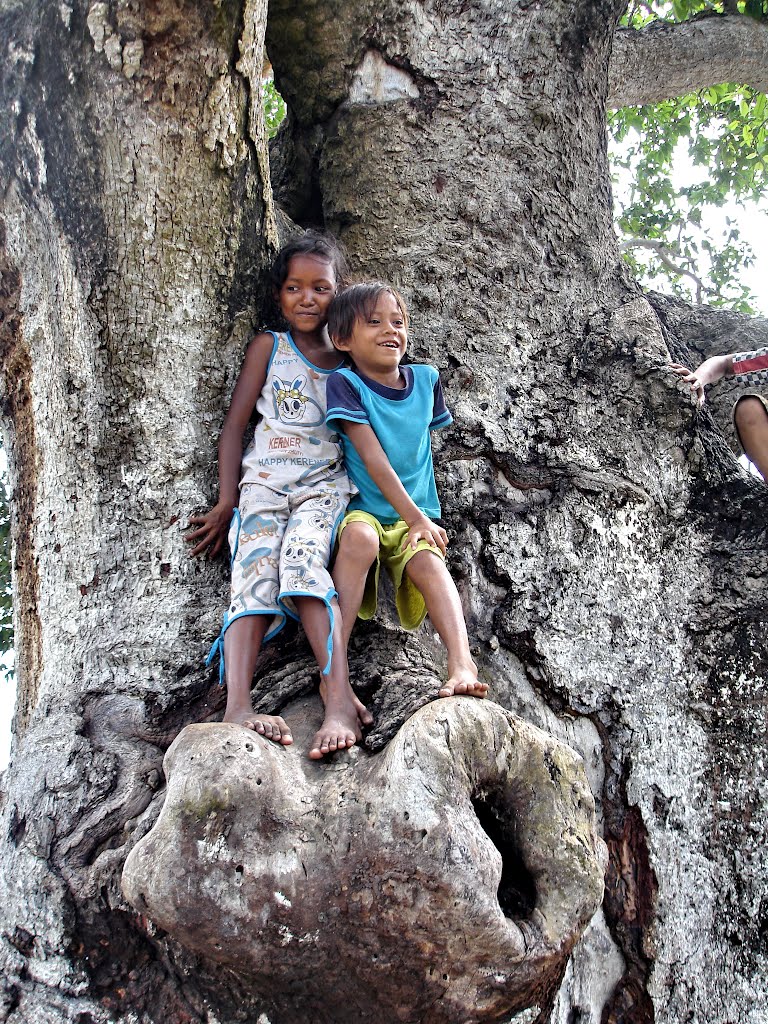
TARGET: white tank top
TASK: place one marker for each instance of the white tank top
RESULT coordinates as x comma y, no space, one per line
292,447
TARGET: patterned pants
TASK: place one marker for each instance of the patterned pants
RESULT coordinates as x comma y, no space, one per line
281,545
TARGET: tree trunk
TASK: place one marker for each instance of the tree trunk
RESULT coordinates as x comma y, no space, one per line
609,553
136,221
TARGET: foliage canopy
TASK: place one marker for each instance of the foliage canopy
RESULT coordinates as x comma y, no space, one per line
721,133
274,106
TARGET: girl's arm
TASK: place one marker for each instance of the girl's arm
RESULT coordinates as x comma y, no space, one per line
212,527
420,526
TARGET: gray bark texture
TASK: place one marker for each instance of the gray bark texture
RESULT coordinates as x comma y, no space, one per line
380,892
610,553
664,60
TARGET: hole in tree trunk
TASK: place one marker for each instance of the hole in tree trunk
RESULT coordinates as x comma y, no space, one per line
293,158
517,890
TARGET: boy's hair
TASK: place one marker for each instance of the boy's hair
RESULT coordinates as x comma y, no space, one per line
310,243
359,300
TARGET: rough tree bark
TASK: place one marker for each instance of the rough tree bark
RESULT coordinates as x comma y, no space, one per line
136,218
610,554
444,880
661,61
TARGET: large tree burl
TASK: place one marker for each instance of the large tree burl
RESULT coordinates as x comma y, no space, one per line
444,880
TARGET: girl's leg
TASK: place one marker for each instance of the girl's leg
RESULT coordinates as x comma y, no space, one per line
428,572
305,578
341,725
242,643
751,421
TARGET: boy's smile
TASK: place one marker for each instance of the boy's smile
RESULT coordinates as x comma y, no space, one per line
378,342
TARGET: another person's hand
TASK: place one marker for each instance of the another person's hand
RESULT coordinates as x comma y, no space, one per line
708,372
422,528
690,377
211,532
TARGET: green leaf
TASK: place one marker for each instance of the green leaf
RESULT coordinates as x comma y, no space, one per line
274,106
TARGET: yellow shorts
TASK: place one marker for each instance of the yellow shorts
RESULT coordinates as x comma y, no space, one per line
394,557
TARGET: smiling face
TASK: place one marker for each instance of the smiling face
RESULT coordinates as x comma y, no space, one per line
306,293
378,341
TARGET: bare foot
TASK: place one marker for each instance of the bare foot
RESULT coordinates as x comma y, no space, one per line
271,727
364,715
463,682
336,733
365,718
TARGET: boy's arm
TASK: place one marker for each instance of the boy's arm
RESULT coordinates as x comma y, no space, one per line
368,447
212,526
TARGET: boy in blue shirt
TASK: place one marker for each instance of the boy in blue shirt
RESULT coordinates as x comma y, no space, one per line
385,412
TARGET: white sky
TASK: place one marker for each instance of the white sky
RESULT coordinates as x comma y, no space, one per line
753,224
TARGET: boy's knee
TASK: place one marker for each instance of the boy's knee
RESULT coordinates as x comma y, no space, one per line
360,542
425,564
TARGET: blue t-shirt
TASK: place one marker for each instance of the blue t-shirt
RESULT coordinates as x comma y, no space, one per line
402,421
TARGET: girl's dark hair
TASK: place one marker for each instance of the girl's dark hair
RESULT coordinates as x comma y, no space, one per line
311,243
359,300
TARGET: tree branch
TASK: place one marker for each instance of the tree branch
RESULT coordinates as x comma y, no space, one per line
661,61
663,255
